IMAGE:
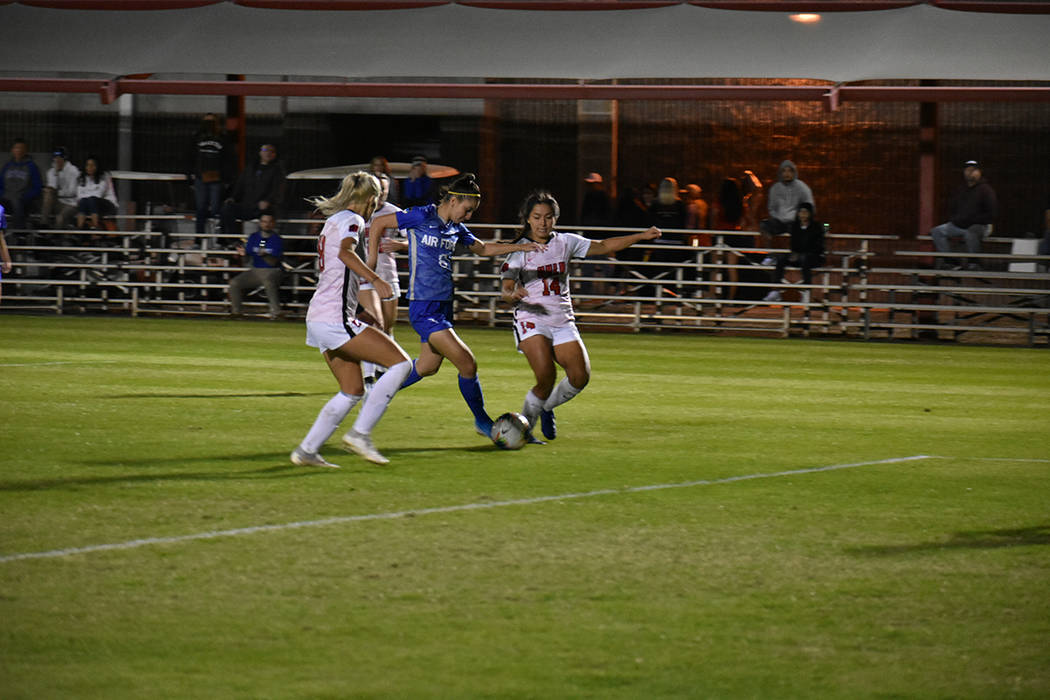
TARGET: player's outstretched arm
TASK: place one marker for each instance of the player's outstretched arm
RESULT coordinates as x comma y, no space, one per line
490,249
375,232
613,245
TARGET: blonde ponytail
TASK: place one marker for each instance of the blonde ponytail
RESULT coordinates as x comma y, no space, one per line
358,191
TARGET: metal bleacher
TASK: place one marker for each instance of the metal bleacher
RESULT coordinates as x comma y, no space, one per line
688,281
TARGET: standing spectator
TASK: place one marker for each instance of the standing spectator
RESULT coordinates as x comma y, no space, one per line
970,214
20,184
696,209
95,195
728,215
753,195
596,209
263,250
417,189
379,165
260,187
807,251
60,190
784,198
5,254
209,171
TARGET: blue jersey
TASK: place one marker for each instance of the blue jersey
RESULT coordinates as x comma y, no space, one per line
431,243
3,219
257,247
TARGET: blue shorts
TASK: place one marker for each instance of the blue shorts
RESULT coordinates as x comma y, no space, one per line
429,317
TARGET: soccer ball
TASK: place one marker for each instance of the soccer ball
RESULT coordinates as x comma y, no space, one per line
510,431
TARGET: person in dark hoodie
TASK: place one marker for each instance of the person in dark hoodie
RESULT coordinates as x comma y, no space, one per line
210,168
20,184
782,201
260,187
970,214
807,250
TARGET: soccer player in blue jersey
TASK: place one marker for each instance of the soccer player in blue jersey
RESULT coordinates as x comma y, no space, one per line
433,233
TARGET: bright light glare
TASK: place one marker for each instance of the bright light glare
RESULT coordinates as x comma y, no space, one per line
806,18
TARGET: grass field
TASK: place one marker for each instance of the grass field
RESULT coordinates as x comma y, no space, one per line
826,520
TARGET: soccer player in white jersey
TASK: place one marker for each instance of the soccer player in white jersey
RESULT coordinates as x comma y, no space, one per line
433,233
344,341
536,283
384,311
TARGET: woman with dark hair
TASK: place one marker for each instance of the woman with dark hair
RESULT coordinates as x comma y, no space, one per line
807,250
433,232
536,283
95,195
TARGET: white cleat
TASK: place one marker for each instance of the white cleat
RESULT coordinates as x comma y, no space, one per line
362,445
302,458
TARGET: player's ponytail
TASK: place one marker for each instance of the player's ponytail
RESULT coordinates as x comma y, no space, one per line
358,191
536,197
465,185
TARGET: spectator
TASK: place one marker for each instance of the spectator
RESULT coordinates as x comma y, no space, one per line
596,209
95,195
417,189
20,184
264,250
5,254
379,165
728,215
784,198
753,196
696,209
60,190
260,187
210,168
632,211
807,251
970,213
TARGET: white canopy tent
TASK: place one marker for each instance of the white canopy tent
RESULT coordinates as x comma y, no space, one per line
457,42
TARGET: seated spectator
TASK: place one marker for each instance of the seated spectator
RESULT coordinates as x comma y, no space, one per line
260,187
60,190
807,251
417,189
264,250
95,194
970,214
20,184
785,196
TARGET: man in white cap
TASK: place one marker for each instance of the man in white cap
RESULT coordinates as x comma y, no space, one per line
970,214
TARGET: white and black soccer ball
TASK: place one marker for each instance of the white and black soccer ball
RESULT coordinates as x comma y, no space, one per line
510,431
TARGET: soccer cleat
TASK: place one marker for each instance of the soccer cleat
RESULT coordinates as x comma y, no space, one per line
547,425
362,445
772,296
302,458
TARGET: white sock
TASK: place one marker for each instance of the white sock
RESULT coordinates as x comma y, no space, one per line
328,420
368,369
533,406
562,393
379,398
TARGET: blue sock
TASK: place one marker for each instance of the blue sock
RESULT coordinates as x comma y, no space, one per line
412,377
471,390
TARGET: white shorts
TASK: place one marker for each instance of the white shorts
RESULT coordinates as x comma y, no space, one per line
565,333
332,336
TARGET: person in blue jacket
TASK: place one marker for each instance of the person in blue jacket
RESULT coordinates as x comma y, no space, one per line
20,184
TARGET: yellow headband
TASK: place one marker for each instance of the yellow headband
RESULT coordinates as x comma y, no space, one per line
465,194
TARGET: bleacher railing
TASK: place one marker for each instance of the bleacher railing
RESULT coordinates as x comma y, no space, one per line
688,281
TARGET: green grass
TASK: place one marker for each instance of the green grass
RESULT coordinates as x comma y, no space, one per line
921,578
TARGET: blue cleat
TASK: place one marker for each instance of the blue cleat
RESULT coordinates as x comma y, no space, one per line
547,426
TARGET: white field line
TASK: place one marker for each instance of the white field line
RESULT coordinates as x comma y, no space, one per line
58,362
132,544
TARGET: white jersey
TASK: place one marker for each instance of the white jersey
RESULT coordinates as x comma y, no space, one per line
545,275
386,264
335,299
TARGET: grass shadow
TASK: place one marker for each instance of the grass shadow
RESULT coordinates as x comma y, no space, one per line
976,539
251,395
274,472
